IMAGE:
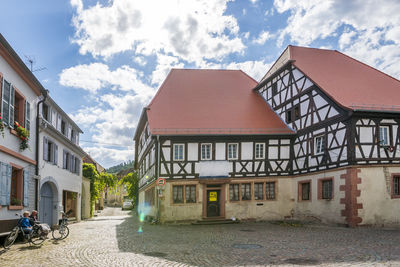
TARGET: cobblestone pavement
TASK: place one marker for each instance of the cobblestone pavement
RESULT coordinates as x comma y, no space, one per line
113,239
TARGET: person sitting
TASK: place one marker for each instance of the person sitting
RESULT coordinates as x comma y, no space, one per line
33,217
25,223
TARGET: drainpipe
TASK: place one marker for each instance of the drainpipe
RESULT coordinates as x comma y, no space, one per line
157,176
37,147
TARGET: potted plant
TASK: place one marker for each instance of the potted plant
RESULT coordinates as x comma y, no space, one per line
15,202
23,134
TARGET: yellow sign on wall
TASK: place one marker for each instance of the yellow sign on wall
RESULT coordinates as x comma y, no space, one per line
212,196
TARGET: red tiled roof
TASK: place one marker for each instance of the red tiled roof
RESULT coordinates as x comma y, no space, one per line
210,102
349,82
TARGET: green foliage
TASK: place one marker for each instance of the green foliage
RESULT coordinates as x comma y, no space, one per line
120,167
131,181
23,134
98,182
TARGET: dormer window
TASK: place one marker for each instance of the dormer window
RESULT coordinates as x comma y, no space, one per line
46,112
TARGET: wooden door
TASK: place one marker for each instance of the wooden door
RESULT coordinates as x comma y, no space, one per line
213,202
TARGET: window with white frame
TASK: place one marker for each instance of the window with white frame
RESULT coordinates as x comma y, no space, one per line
384,135
319,145
259,150
205,151
179,151
232,151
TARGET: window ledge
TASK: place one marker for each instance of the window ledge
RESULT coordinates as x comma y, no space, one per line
14,132
11,207
395,196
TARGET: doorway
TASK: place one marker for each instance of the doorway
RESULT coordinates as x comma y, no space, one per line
46,204
213,202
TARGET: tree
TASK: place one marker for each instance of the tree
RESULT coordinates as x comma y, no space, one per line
131,181
98,182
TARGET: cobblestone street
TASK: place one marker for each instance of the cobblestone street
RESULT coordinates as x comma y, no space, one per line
113,239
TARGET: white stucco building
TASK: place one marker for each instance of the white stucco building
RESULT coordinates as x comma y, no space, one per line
20,92
60,164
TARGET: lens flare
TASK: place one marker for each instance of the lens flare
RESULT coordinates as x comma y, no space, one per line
140,230
141,217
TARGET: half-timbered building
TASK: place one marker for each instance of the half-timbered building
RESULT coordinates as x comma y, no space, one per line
317,137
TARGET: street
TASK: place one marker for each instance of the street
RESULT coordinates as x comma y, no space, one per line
114,238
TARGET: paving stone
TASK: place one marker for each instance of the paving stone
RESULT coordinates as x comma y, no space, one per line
112,239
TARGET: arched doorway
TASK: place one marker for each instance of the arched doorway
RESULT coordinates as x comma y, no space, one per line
46,204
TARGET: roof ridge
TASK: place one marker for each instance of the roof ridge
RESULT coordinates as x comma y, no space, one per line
356,60
248,76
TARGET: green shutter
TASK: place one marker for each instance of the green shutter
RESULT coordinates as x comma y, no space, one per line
28,116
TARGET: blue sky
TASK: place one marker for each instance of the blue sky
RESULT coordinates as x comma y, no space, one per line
105,59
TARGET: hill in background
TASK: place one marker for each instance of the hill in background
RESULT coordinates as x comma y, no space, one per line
120,167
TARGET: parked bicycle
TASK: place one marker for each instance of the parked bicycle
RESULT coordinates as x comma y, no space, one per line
62,231
35,237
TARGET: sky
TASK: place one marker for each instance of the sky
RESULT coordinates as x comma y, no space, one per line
105,60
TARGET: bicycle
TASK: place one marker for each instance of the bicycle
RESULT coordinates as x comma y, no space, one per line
35,237
62,231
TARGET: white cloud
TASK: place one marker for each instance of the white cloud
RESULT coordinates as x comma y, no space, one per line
191,30
108,156
95,76
372,29
256,69
164,65
262,38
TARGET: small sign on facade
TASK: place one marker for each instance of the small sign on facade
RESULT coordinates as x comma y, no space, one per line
161,181
212,197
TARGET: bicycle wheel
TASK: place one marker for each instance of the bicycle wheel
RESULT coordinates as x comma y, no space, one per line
60,233
37,240
10,239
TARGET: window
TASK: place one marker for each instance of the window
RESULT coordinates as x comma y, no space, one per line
205,151
19,109
50,151
177,191
77,166
293,114
289,116
259,151
396,186
27,116
246,191
16,193
258,191
66,160
327,189
190,193
184,194
319,142
270,190
149,196
304,190
178,151
232,151
274,89
63,128
234,192
384,135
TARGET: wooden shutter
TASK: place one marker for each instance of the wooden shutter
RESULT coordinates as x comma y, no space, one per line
64,159
1,91
12,103
26,188
5,184
28,116
5,108
55,157
78,166
45,149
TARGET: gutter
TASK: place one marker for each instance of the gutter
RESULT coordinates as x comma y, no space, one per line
37,145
